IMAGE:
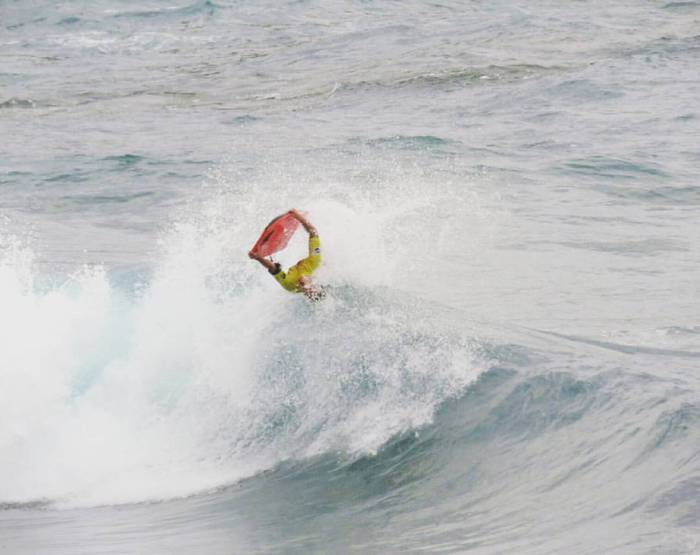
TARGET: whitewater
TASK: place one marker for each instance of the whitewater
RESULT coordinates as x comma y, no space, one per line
508,358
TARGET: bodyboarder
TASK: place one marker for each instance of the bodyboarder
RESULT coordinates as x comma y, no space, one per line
297,279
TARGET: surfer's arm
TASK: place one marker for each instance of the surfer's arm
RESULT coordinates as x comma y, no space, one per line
272,267
308,226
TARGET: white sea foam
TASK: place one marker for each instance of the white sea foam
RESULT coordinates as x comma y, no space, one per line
211,372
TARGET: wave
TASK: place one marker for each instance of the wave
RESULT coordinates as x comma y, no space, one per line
18,103
511,439
206,8
445,79
199,396
122,389
464,478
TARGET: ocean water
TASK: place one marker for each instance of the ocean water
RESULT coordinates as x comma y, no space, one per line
508,197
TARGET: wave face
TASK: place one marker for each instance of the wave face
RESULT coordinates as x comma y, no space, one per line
507,359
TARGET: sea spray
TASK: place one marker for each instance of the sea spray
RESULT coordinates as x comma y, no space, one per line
208,372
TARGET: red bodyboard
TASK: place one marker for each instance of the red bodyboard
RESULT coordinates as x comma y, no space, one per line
276,235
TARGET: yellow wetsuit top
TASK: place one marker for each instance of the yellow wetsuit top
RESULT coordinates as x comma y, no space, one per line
290,279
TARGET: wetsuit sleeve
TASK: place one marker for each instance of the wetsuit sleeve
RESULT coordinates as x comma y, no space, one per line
315,246
309,264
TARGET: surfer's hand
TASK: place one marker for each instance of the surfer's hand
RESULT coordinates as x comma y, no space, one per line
310,229
301,218
252,255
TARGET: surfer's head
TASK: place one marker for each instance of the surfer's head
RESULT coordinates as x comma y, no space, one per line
312,291
305,284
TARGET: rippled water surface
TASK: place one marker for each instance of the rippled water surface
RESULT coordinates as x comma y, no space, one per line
508,360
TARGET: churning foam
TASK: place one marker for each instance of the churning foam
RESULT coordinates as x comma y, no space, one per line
211,372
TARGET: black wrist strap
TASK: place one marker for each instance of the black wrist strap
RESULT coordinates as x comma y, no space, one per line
276,270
